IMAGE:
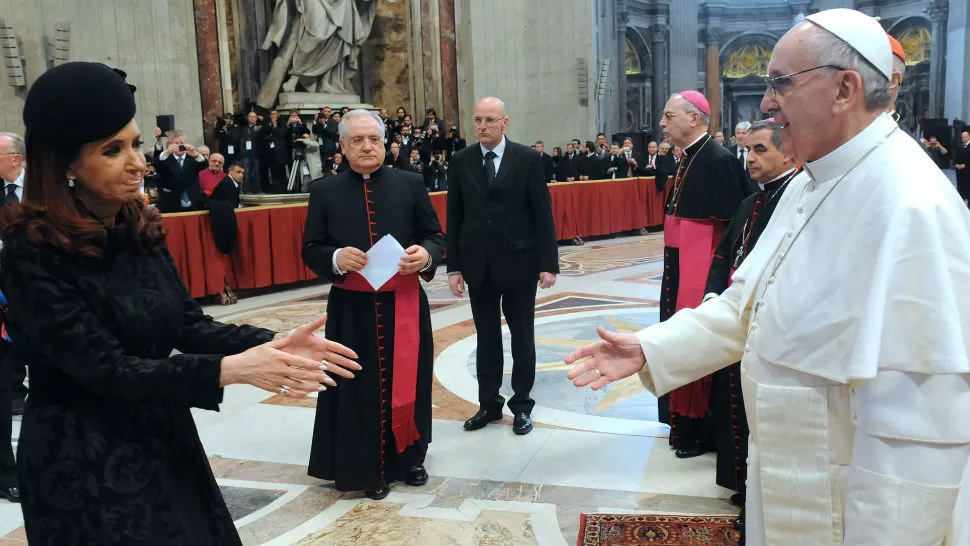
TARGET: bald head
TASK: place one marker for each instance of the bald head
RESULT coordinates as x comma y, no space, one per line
11,156
216,162
490,121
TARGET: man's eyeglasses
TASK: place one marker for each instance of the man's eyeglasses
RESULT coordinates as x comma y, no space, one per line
488,122
778,84
359,141
671,115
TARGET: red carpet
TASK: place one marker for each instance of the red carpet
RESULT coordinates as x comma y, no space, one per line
636,530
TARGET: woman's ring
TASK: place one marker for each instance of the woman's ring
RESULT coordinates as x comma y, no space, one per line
283,390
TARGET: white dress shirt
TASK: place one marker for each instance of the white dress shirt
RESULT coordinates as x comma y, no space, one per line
499,151
19,182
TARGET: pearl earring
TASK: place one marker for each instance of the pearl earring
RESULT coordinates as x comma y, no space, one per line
70,181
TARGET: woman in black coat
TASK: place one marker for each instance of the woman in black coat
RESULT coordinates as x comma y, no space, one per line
108,452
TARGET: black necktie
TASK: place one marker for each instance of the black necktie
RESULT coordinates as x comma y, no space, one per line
490,167
11,197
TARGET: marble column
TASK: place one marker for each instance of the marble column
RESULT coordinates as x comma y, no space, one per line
622,20
712,84
660,75
957,101
683,45
431,59
388,65
938,16
210,81
449,62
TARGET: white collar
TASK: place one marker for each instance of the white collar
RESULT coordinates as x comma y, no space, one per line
19,181
779,177
499,149
840,160
696,140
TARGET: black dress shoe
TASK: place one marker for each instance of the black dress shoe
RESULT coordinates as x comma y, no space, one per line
739,523
482,419
417,476
12,494
737,499
522,424
379,493
689,453
17,406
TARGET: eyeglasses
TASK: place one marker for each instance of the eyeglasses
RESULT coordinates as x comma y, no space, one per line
671,115
778,84
372,140
488,122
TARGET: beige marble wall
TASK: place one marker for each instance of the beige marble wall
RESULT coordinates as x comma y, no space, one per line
526,54
389,39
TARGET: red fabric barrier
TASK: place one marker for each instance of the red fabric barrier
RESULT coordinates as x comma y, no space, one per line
271,238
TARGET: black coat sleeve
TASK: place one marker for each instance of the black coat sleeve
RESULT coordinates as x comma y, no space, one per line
545,227
455,212
427,227
719,276
52,314
318,246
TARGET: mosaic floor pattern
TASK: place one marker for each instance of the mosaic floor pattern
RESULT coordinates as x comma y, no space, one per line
591,452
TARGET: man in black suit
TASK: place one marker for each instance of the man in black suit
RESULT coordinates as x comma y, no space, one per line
501,241
617,165
569,164
178,166
548,165
739,149
961,164
12,370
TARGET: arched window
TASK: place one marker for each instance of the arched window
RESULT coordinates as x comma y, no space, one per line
916,41
747,60
632,59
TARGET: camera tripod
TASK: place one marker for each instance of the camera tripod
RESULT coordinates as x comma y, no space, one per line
298,170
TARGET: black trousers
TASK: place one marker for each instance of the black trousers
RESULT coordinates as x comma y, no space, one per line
8,467
519,306
963,187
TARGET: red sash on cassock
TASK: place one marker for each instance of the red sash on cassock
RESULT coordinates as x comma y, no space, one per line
407,338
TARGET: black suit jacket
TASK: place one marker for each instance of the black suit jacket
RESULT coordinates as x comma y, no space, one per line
618,163
961,156
173,181
666,170
505,230
548,166
222,212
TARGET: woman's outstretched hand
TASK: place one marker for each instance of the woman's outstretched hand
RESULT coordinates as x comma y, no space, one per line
305,342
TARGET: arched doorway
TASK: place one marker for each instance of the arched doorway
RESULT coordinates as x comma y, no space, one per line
638,84
914,35
744,64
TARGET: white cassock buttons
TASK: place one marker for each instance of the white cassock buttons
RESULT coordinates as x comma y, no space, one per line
800,208
771,279
810,187
747,348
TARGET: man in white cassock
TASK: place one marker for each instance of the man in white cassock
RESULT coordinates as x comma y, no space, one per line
851,317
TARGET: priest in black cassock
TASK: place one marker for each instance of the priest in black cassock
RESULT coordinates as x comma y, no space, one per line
374,430
773,171
708,186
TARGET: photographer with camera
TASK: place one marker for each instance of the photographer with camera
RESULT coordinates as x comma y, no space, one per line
432,120
227,134
178,165
436,174
454,142
276,152
937,152
249,145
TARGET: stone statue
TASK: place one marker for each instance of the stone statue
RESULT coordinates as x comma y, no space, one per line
319,46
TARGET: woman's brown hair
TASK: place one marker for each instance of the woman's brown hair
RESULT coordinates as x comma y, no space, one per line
51,214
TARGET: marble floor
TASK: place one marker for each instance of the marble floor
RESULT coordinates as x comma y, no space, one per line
590,452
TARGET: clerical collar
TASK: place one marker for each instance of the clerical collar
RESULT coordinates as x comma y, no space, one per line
840,160
365,177
780,178
692,148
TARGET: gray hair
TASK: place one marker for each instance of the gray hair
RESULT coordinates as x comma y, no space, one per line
357,114
744,125
16,143
768,125
689,107
828,48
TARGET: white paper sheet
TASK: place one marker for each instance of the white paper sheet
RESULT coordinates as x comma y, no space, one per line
383,260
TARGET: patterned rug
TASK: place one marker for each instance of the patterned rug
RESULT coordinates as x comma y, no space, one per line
638,529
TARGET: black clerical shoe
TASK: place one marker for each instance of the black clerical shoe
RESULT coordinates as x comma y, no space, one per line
739,523
12,494
482,419
379,493
689,453
737,499
17,406
417,476
522,424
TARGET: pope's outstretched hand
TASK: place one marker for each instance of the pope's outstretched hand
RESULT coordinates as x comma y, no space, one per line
615,357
